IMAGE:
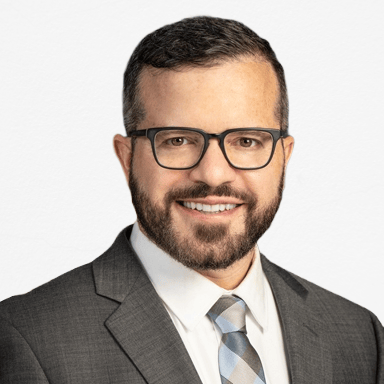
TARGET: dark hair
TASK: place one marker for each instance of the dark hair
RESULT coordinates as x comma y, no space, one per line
196,42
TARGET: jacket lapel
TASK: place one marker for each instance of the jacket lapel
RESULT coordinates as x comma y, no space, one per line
305,334
144,330
141,325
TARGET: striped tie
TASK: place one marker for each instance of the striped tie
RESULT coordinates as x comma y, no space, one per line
239,363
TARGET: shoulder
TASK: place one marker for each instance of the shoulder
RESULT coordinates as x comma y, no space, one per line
46,324
72,292
330,307
64,294
344,316
79,300
319,321
332,304
46,330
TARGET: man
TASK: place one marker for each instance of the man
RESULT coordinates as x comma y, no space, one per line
183,295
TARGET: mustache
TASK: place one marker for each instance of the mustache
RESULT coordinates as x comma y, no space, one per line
203,190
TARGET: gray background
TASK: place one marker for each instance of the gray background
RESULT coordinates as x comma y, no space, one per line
64,196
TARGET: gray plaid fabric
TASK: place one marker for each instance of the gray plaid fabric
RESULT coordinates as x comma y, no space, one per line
239,363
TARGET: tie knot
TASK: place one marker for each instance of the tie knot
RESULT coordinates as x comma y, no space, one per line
229,314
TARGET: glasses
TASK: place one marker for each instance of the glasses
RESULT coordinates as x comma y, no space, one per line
183,148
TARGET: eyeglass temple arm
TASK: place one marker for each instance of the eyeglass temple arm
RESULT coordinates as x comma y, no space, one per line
141,132
284,134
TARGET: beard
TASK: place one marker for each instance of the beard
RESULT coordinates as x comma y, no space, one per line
206,246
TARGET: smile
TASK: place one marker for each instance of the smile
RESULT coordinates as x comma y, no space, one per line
206,208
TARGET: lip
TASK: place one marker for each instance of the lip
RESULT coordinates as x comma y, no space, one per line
208,216
213,200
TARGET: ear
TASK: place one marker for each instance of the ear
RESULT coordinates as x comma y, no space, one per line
123,150
288,143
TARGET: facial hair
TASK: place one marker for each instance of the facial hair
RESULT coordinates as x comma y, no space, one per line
207,246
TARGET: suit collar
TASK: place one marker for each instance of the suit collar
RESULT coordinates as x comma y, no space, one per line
144,330
305,332
141,325
116,271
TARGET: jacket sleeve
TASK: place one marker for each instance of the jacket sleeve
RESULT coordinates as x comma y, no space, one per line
379,333
18,363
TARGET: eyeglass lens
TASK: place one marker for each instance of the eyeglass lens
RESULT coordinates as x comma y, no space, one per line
183,148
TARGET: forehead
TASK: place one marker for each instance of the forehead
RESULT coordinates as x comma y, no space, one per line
233,94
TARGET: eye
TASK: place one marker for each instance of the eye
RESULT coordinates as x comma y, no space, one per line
177,141
247,142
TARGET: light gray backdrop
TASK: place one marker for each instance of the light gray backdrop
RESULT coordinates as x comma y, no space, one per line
63,194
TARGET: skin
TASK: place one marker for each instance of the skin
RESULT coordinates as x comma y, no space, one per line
235,94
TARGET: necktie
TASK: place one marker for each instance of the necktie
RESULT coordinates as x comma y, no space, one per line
239,363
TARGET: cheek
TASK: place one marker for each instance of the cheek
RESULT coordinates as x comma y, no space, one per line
264,183
260,185
153,179
145,169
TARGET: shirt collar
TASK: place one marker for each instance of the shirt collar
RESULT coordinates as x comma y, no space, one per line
187,293
252,291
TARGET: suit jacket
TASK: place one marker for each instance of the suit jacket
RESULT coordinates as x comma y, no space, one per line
104,323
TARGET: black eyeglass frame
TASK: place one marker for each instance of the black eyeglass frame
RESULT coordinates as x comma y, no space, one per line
150,133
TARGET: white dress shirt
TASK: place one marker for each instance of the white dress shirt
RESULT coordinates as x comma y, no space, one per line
188,296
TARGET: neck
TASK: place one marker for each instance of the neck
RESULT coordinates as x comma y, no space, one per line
232,276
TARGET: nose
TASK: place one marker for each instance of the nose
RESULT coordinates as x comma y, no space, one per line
213,168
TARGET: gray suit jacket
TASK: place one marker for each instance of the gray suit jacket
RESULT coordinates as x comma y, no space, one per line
104,323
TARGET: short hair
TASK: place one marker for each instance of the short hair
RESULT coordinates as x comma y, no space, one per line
201,41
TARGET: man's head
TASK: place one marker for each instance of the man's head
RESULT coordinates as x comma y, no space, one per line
213,75
196,42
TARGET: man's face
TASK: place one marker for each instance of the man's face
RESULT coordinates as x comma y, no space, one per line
232,95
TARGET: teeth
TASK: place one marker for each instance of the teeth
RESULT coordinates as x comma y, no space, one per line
206,208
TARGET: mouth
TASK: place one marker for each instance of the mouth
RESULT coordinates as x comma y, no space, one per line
208,208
